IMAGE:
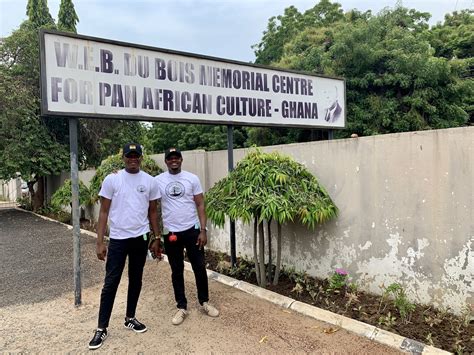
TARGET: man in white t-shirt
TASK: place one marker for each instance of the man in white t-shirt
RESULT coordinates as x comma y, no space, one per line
184,224
128,199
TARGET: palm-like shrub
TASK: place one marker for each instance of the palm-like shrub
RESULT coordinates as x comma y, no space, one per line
265,187
63,195
115,163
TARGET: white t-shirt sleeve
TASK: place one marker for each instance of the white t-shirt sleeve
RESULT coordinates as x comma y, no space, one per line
155,193
107,188
197,189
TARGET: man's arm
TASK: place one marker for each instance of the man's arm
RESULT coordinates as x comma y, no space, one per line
153,217
155,246
201,211
101,248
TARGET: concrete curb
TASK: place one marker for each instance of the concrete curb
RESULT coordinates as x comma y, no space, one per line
83,231
362,329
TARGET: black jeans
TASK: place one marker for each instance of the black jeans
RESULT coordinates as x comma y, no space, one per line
118,250
175,252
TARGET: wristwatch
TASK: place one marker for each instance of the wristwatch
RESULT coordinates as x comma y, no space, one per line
204,229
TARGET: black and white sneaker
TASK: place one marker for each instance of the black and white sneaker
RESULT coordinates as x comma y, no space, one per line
98,339
135,325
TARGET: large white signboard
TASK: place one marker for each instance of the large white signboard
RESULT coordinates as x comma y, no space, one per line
93,77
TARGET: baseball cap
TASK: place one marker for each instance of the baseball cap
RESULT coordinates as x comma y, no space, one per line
172,151
132,148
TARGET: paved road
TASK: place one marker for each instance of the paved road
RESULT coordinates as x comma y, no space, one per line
36,259
37,312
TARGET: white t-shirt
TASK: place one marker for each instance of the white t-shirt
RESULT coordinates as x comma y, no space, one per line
177,200
131,195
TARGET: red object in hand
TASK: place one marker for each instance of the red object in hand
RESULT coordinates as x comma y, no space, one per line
173,238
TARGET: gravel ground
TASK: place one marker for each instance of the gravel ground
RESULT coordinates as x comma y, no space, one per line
37,312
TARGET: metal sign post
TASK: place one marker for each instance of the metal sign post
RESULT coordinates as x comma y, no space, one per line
76,230
230,165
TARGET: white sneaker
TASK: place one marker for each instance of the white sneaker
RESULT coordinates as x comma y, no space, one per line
179,316
211,311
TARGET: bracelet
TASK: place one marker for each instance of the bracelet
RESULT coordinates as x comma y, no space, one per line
153,237
204,229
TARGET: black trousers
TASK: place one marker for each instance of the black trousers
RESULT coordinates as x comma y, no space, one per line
175,252
118,250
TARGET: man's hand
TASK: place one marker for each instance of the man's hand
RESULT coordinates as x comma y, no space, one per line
156,249
101,250
202,239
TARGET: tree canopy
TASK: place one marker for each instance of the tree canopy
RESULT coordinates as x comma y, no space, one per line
269,186
400,74
28,144
67,17
161,136
38,13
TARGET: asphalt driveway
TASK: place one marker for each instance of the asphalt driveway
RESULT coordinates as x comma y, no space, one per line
36,259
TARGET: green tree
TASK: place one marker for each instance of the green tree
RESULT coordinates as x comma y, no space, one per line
38,13
394,81
323,14
454,37
266,187
26,147
27,144
454,40
191,136
281,29
67,17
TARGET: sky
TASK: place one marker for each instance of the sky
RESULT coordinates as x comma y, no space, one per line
218,28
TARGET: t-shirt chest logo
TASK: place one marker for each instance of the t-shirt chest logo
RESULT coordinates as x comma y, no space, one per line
141,189
175,190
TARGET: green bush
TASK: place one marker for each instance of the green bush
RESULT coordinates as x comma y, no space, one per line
270,186
25,203
55,212
63,196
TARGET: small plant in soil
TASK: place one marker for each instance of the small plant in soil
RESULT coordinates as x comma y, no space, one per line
400,301
338,280
388,321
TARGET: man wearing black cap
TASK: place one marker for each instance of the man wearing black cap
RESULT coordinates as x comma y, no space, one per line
184,223
128,199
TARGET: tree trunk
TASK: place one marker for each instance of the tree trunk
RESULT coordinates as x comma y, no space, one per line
269,233
263,278
37,197
278,256
255,253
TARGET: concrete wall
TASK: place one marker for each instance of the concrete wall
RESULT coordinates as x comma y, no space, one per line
10,190
406,215
406,212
